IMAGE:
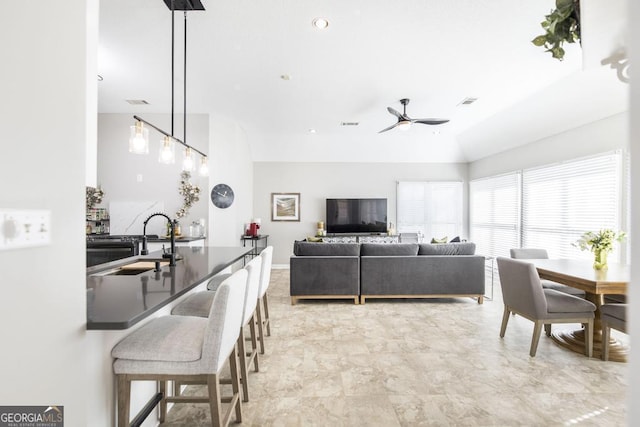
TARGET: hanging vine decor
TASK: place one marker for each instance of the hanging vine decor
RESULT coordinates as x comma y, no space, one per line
189,192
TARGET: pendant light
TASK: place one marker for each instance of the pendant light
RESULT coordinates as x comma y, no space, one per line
167,153
139,136
139,139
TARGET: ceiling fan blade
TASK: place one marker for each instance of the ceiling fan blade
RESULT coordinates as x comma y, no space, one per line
389,128
395,113
430,121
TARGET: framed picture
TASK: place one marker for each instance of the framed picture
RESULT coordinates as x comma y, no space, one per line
285,206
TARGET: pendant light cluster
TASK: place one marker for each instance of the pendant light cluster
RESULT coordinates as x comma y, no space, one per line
139,136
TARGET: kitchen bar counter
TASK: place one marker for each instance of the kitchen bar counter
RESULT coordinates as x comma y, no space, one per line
119,301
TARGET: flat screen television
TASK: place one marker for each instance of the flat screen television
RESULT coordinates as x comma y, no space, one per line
356,215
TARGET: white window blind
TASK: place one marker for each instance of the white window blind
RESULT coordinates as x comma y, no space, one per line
433,209
562,201
494,214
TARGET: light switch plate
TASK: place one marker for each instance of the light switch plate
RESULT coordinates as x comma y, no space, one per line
22,228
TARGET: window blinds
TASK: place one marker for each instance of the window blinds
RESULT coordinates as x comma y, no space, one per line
494,214
433,209
562,201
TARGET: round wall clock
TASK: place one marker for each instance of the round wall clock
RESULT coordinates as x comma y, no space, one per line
222,196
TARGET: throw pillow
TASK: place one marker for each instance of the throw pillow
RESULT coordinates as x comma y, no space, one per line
442,240
455,240
314,239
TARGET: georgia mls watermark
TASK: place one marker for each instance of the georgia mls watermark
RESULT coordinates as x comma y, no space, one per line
31,416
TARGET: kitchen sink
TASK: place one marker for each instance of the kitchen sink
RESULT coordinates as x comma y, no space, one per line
131,269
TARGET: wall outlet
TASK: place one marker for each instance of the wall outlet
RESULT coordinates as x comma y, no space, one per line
22,228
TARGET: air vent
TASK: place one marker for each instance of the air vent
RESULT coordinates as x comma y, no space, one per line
137,102
349,124
468,101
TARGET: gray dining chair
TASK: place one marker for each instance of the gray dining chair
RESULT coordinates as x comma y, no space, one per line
612,316
535,253
523,294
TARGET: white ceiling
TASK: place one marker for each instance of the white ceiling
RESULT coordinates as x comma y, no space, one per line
373,53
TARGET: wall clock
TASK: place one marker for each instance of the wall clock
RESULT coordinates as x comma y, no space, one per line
222,196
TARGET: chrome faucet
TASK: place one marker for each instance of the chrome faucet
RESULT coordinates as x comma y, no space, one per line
172,256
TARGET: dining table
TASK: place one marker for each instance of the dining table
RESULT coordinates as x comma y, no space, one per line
581,274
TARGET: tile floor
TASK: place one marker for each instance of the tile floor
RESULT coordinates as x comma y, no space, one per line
417,363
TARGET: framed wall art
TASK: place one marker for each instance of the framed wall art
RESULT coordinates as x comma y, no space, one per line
285,206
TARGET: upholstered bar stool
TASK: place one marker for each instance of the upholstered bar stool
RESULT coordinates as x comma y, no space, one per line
187,349
199,303
264,325
612,316
535,253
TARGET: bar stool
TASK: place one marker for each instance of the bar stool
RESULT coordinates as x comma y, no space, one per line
187,349
265,277
199,303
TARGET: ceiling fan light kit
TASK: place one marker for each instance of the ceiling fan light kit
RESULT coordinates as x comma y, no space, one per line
405,122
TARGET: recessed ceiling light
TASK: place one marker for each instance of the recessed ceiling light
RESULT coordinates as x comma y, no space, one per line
320,23
137,102
312,131
468,101
285,77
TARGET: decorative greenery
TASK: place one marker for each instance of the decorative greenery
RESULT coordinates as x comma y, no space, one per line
561,25
189,192
94,196
601,241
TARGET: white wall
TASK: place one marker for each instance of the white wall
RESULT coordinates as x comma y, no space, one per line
43,117
317,181
231,164
119,170
603,135
634,377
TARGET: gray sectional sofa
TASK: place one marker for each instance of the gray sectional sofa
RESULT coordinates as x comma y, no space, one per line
369,270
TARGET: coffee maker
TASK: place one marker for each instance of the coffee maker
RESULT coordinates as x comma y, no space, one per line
253,228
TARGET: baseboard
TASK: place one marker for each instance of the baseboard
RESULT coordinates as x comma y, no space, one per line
280,266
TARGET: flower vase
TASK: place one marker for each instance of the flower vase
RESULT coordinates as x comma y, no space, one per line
600,261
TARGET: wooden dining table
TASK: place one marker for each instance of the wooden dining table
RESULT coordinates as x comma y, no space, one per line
580,274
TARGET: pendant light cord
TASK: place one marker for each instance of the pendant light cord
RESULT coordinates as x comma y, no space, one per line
184,78
173,29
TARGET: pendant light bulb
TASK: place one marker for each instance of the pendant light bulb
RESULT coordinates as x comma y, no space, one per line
139,139
167,151
204,166
187,163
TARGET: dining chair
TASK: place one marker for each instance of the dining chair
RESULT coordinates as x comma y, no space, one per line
186,349
199,304
262,309
612,316
523,294
535,253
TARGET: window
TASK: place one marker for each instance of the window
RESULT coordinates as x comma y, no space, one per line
562,201
432,209
549,207
494,214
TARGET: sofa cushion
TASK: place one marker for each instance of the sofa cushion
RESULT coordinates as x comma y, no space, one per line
463,248
385,249
325,249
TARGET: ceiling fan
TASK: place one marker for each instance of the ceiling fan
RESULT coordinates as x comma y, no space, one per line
404,121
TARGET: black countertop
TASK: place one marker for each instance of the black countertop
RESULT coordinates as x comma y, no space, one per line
120,301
